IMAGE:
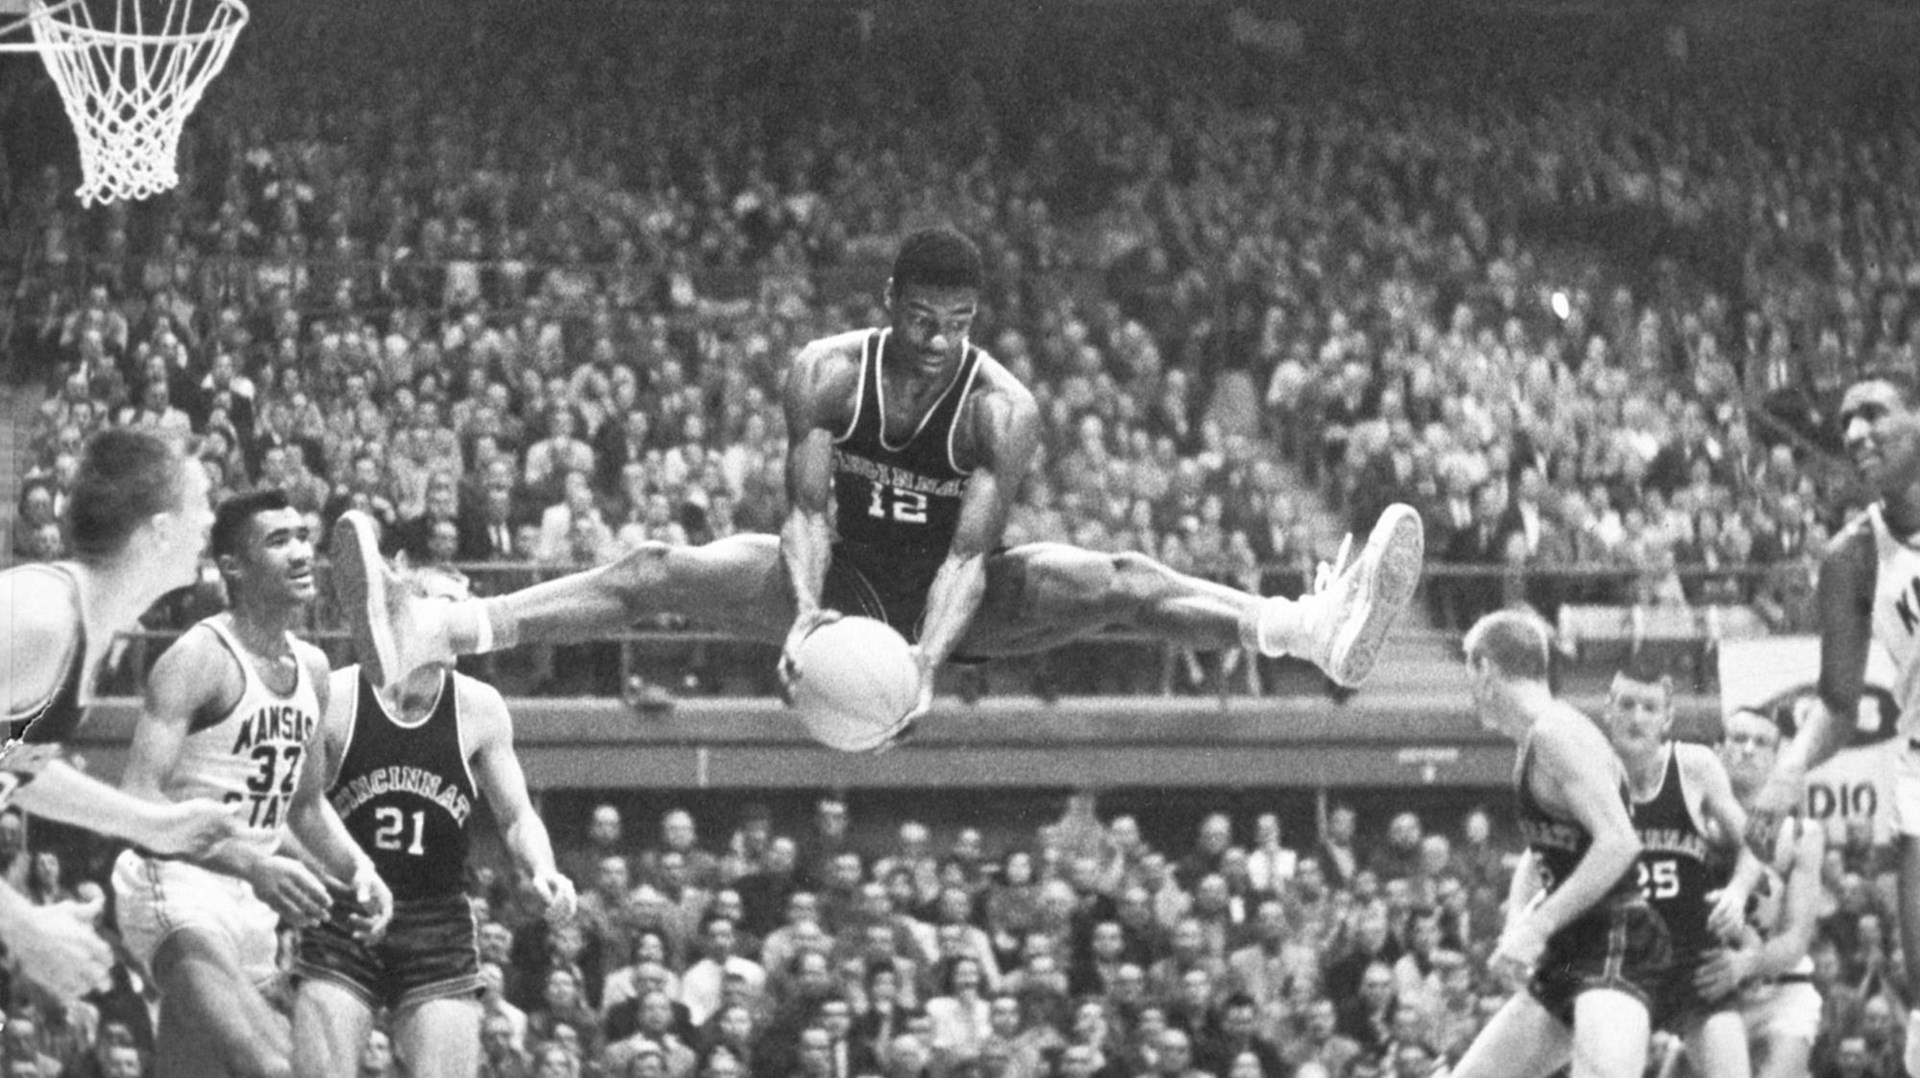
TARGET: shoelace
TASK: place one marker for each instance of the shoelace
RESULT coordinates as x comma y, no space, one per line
1328,572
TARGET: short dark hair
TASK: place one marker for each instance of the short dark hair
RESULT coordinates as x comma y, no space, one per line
126,477
937,258
1516,642
1642,668
232,516
1901,376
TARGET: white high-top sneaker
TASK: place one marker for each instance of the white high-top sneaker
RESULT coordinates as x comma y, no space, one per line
1351,610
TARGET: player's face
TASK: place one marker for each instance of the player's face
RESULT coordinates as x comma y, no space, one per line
181,532
1882,435
933,323
1749,746
277,561
1638,714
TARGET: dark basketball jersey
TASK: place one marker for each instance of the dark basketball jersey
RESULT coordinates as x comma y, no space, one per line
900,503
57,719
406,793
1557,844
1674,871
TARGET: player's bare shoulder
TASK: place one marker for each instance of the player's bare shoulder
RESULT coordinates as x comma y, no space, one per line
999,414
482,711
823,380
42,634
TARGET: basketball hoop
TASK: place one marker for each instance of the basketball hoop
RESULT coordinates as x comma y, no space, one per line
129,86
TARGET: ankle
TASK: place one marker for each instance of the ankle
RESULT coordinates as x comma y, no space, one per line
1276,626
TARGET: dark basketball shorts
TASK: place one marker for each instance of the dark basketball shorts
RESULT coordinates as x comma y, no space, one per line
893,588
1622,946
1680,1006
431,951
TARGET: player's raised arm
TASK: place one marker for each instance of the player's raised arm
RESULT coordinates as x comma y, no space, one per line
497,772
1844,602
180,690
1565,749
806,538
1005,432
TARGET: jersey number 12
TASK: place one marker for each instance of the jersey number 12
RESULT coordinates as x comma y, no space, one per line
393,828
909,506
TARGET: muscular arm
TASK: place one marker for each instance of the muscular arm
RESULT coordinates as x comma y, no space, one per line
179,688
1523,887
311,819
1706,775
806,538
1005,431
1564,750
497,772
1844,601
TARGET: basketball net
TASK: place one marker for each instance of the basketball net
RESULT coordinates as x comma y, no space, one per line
129,87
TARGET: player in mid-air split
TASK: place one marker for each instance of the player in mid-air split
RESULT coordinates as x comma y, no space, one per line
906,448
1773,974
1869,590
408,766
1693,868
233,712
137,520
1578,931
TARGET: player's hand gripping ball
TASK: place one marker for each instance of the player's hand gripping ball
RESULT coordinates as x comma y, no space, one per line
855,682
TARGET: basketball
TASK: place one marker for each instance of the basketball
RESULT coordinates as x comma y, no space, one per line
856,680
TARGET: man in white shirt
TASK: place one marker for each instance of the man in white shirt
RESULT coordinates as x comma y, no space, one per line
701,985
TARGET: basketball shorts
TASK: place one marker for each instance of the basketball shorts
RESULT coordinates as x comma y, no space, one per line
431,951
1906,788
868,583
156,897
1787,1009
891,588
1622,946
1680,1006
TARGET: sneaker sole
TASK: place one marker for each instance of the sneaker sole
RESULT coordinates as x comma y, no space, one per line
362,588
1397,549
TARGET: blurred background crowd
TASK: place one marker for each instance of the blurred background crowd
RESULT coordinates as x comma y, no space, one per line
823,941
521,280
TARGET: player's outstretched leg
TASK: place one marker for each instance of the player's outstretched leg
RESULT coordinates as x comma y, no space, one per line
1046,594
736,584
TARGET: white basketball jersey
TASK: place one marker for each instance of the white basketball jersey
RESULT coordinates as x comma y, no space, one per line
254,754
1896,616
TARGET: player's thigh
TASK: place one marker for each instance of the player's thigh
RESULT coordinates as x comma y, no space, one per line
1717,1046
330,1025
738,583
1521,1040
1036,589
1611,1029
439,1038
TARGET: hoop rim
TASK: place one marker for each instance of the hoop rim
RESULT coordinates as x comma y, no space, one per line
76,36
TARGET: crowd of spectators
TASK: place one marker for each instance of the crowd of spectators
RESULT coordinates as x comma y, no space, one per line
833,947
542,334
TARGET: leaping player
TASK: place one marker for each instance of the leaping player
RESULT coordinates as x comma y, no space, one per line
906,446
1868,590
1682,806
408,767
232,711
138,520
1578,932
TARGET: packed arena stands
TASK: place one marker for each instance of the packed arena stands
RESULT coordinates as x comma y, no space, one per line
523,287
